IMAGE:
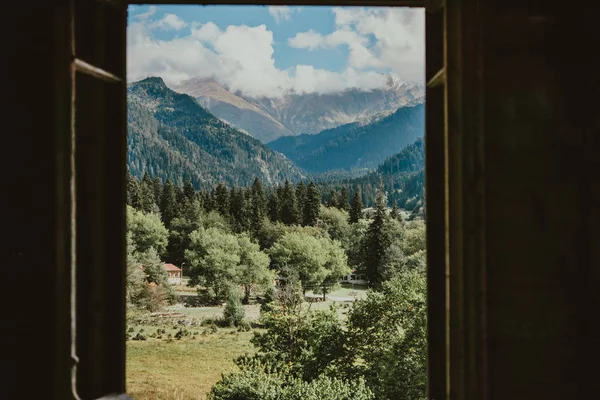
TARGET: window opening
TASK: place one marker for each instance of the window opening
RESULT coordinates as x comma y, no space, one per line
276,193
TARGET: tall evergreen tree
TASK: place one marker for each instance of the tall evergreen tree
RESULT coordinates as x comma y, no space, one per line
357,206
238,210
188,190
312,205
222,199
332,202
289,206
273,206
258,205
343,203
376,242
301,198
157,186
133,192
168,203
146,195
395,213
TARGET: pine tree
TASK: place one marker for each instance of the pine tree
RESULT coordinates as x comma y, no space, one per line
157,187
238,210
343,203
258,205
289,206
168,203
222,199
188,190
395,213
301,198
376,242
312,206
133,192
356,210
146,195
332,202
273,206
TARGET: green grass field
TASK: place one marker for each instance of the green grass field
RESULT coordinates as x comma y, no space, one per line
182,369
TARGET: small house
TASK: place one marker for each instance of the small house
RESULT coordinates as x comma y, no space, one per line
174,273
355,279
175,277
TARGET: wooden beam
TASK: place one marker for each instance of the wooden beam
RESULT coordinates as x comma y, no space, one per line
88,69
438,79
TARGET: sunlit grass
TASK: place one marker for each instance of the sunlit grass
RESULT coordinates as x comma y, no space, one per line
182,369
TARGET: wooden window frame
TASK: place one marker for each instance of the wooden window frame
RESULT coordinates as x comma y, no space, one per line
456,328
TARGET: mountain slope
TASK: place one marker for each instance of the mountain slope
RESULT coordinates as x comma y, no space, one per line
292,114
172,137
233,109
363,144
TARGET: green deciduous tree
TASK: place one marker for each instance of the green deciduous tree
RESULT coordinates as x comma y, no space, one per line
147,231
254,267
213,258
387,333
314,261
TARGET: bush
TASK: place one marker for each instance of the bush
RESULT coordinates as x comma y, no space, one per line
234,312
255,384
210,328
139,336
244,326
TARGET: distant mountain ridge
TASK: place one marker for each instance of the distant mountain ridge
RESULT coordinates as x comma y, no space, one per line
292,114
171,136
358,145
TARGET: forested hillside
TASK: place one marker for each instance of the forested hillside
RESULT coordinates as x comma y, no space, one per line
359,145
171,137
402,176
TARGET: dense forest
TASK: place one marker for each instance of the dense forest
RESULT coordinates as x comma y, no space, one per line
358,145
171,136
402,176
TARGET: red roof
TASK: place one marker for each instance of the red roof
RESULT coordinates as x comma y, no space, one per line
171,267
167,267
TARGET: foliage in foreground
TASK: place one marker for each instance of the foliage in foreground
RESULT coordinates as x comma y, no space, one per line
256,384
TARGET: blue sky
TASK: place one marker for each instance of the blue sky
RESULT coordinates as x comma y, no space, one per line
269,50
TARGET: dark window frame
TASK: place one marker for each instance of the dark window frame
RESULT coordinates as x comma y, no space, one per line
103,61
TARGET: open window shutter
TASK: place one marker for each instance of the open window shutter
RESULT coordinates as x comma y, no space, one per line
98,165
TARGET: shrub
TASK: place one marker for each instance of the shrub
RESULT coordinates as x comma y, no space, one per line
234,312
139,336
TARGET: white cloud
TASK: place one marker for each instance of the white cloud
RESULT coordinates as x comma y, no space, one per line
242,57
281,13
310,40
143,16
170,21
385,38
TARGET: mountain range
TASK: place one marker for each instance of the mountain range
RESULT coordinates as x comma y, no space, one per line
171,136
358,145
297,113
